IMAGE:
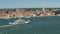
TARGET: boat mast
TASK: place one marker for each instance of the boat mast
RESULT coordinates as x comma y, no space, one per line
6,32
34,32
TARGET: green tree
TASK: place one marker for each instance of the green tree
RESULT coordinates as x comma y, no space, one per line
57,12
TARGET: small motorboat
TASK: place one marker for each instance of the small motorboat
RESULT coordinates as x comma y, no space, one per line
19,21
58,15
8,17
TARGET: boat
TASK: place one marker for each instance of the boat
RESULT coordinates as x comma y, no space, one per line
58,15
8,17
19,21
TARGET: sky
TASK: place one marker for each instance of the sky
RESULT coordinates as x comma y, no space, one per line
29,3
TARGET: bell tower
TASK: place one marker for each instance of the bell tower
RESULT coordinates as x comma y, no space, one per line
43,9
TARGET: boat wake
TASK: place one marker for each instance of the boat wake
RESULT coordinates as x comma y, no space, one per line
6,25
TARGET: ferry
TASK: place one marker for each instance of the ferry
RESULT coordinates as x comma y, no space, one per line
19,21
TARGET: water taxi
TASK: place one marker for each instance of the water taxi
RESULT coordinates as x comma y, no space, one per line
20,21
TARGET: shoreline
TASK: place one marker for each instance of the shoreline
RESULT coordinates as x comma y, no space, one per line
29,17
26,13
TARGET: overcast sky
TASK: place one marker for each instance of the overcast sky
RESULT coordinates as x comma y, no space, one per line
29,3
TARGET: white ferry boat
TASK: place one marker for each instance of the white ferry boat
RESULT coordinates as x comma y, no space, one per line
19,21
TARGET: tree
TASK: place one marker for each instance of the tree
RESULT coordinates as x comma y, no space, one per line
57,12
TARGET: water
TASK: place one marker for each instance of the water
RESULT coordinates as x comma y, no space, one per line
42,25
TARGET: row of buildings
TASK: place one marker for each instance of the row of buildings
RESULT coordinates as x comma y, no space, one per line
22,13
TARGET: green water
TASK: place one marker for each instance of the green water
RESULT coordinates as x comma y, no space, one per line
42,25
